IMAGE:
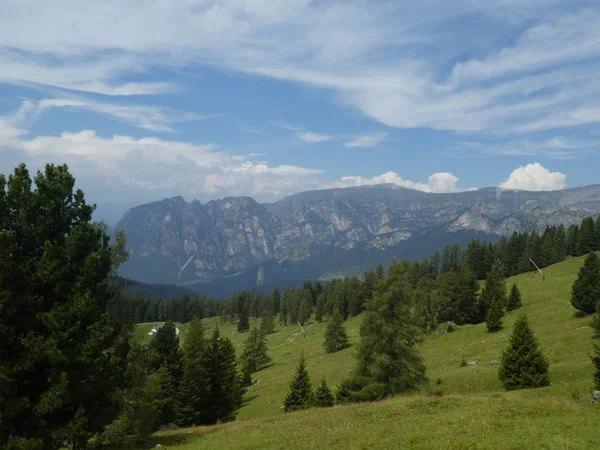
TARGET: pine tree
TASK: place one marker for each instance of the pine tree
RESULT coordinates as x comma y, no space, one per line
336,338
493,290
587,236
267,323
164,351
596,361
573,240
285,307
244,322
276,299
597,227
514,299
225,392
193,390
254,356
523,365
305,308
62,356
560,242
387,361
494,316
323,397
586,289
320,309
380,271
300,395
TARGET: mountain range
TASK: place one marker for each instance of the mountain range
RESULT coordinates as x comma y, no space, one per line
237,243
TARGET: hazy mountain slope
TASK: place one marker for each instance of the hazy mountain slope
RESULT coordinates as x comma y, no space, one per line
319,232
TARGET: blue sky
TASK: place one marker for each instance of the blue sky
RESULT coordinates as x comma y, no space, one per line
207,99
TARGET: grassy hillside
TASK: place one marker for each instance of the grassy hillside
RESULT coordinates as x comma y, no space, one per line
468,409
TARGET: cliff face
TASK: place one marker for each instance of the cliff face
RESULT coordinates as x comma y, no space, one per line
172,241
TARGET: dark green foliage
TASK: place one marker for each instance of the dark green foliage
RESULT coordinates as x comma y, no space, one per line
164,351
225,392
596,361
267,323
596,321
494,290
458,291
523,365
300,395
194,388
586,289
320,309
276,299
56,334
387,361
336,338
494,316
305,307
573,240
244,322
323,397
597,227
514,298
587,236
255,355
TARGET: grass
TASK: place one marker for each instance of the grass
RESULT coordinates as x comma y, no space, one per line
469,409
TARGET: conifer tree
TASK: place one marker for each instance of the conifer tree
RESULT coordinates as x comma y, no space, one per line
62,356
254,356
560,242
494,316
387,361
336,338
586,289
323,397
267,323
514,298
597,227
573,240
523,364
164,351
276,299
493,290
225,392
193,390
320,309
285,307
244,322
300,395
587,236
380,271
305,308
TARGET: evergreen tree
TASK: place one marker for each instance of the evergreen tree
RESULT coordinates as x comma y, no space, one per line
523,365
276,299
254,356
336,338
514,299
62,356
586,289
267,323
494,316
380,272
573,240
596,361
285,307
597,227
587,236
560,243
164,351
244,322
323,397
225,392
305,309
387,360
193,390
320,310
494,290
300,395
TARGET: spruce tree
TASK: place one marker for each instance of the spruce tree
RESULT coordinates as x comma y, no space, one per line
225,392
244,322
597,227
573,240
494,316
254,356
523,364
336,338
387,361
267,323
586,289
587,236
494,290
305,308
63,357
300,395
193,390
514,298
164,351
276,299
320,309
323,397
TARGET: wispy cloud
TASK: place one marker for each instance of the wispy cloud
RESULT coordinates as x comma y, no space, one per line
314,138
286,126
367,140
437,182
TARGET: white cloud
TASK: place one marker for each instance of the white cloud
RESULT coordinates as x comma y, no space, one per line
441,182
534,177
314,138
368,140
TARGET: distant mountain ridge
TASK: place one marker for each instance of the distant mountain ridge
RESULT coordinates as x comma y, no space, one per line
236,238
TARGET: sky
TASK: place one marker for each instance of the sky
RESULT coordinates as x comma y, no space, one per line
149,99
